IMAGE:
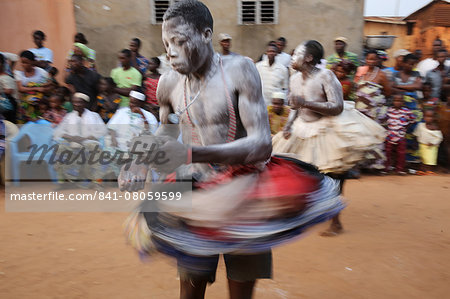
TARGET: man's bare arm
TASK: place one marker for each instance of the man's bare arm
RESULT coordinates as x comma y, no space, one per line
257,145
165,85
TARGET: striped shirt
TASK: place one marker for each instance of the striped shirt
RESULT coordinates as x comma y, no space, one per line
397,121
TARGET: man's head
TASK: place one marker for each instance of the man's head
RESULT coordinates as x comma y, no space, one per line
38,38
278,102
154,64
225,42
80,38
76,62
441,56
437,45
307,53
340,43
125,58
27,59
271,52
409,61
187,32
80,101
137,100
281,44
135,45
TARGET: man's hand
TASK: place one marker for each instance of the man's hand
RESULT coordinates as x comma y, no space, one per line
133,178
175,155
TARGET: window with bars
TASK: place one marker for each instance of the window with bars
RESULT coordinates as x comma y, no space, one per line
258,12
159,7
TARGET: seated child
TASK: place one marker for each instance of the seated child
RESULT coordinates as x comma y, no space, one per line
65,93
56,112
108,101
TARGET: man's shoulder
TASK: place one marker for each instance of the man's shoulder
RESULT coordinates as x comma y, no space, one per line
238,59
169,78
134,71
91,113
239,64
167,83
261,64
122,110
332,57
116,70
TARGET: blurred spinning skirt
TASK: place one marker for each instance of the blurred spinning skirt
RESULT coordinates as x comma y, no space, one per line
243,209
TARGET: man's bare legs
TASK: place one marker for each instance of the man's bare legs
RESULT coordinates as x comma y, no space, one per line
241,290
192,289
196,290
334,229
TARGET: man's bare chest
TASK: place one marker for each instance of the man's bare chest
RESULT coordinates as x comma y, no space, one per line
209,105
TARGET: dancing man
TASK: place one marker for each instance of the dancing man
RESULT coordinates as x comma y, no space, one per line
249,201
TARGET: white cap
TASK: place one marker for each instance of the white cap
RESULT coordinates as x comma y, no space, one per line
342,39
401,52
137,95
224,36
279,95
82,96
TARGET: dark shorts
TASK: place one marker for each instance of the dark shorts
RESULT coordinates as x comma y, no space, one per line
245,267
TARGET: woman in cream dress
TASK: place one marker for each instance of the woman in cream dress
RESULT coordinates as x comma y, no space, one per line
323,129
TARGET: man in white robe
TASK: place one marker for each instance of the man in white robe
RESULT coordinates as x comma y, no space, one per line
79,138
128,123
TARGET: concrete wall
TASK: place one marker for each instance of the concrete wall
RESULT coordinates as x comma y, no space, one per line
109,26
19,18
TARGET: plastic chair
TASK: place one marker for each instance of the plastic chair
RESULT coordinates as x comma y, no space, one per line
42,122
39,135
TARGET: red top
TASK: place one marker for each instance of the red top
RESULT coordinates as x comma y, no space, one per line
150,90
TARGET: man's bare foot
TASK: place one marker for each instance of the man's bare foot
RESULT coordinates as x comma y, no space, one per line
332,231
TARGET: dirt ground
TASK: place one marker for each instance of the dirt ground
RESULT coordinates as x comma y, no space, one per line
396,245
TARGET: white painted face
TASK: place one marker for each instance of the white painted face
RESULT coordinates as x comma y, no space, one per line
298,58
186,47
